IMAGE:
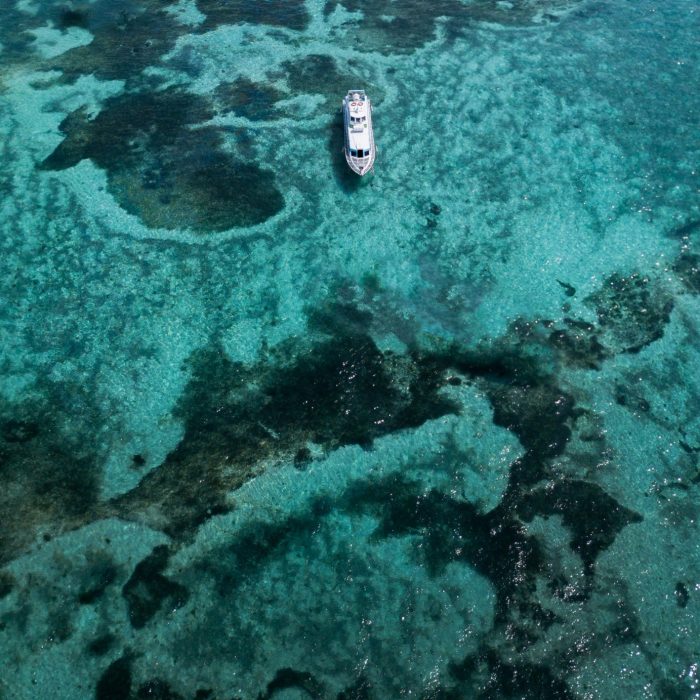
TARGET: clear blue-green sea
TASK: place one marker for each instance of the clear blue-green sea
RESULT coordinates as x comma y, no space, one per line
272,431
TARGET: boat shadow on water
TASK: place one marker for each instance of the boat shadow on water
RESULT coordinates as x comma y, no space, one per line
348,180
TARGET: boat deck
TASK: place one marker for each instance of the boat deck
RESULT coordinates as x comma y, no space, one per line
359,148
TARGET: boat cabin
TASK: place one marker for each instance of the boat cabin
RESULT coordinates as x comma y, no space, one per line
359,136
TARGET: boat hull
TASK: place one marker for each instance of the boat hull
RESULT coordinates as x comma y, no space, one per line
356,136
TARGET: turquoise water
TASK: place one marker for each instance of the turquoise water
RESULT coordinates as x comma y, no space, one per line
271,431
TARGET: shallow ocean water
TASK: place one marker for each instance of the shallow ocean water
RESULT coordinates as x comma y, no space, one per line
271,431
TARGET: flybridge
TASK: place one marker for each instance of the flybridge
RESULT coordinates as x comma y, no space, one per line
359,135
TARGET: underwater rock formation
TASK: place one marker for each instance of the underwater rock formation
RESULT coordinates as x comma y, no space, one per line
148,589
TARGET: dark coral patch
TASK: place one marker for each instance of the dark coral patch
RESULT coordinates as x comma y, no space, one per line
351,381
49,482
245,98
7,584
320,74
256,544
163,169
578,344
291,14
101,645
359,690
313,73
682,595
148,589
632,312
488,676
569,290
388,27
288,678
495,544
526,400
392,27
687,268
72,17
15,39
18,430
340,392
302,458
686,229
631,398
100,577
128,37
115,682
594,517
157,690
539,414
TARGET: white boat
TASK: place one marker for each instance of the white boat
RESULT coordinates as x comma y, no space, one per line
359,136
